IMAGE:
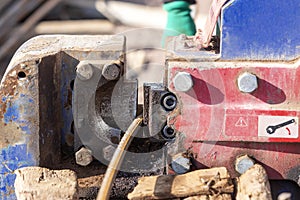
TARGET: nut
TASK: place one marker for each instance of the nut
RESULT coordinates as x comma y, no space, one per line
247,82
111,71
108,152
84,70
83,156
183,82
243,163
180,164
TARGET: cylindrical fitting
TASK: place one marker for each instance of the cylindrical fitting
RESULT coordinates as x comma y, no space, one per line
183,82
111,71
180,164
169,101
243,163
247,82
83,156
84,71
168,133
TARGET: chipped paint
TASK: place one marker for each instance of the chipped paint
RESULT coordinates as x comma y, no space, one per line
13,135
36,112
67,76
12,158
17,123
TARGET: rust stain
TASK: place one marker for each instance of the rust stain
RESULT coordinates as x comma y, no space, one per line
173,115
13,86
10,85
10,134
68,103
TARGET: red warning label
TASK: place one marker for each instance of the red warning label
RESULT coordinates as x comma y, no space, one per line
241,122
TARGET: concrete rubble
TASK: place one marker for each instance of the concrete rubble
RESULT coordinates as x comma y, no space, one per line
254,184
34,183
206,184
214,182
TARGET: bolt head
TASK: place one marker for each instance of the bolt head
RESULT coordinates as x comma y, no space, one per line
83,156
180,164
111,71
108,152
183,82
247,82
84,71
243,163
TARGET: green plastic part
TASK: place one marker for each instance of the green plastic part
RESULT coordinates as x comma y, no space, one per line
179,19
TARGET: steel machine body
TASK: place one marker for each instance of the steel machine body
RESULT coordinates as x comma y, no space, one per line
239,97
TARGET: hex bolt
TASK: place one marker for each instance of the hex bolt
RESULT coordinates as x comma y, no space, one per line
180,164
111,71
247,82
169,101
108,152
243,163
83,156
84,71
183,82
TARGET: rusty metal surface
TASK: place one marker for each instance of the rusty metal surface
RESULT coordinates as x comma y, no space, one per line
36,92
103,108
19,124
185,48
154,113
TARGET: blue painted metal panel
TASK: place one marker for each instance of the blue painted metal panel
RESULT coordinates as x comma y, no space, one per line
17,148
261,30
12,158
67,76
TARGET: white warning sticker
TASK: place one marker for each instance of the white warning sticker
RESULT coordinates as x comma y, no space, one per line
278,126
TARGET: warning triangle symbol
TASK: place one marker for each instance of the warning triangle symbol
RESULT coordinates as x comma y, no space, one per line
241,122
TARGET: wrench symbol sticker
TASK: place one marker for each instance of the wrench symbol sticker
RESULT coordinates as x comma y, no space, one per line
272,129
